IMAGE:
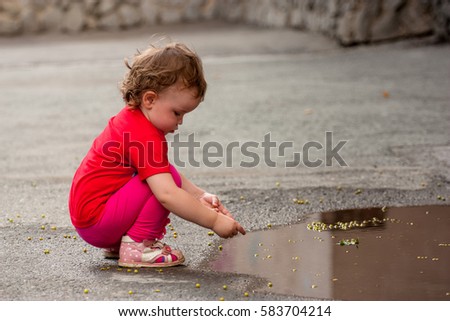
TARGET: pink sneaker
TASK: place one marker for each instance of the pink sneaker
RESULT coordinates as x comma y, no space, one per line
148,254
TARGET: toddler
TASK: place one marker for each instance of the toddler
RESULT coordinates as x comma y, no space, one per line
125,187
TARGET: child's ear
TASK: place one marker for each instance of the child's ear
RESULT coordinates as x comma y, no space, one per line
148,99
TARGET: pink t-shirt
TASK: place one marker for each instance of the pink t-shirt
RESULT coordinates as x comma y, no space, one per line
129,145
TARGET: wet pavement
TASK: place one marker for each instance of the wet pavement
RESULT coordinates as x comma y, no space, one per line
364,254
389,101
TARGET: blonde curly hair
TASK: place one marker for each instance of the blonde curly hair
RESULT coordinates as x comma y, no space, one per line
158,68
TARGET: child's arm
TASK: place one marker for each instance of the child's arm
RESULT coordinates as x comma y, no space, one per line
207,199
186,206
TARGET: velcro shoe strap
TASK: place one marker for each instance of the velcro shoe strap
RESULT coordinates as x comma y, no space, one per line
149,255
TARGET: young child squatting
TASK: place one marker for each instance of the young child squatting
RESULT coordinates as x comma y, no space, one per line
125,188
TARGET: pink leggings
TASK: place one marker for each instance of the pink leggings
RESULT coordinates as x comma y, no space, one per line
132,210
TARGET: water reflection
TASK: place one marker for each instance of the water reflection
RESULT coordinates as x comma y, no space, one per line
402,254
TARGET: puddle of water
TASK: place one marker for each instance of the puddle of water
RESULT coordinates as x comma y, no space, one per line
375,254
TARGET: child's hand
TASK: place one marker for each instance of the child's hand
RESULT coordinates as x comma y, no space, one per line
213,202
226,227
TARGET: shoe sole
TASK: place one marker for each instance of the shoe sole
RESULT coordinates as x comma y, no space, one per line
143,264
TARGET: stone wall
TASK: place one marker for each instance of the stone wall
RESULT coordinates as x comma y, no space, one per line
348,21
73,16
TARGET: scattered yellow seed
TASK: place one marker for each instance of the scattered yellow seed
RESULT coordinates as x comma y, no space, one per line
157,290
246,294
269,256
308,111
210,233
269,225
85,250
29,238
260,244
313,286
86,291
129,270
53,228
42,227
222,299
136,271
277,184
46,251
209,244
43,215
269,284
130,292
225,287
294,270
256,254
220,247
242,198
197,285
358,191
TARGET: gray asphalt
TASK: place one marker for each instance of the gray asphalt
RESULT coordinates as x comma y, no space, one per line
389,102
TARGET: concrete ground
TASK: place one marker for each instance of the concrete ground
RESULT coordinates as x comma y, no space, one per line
389,102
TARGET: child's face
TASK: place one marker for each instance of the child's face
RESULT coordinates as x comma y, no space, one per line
167,109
